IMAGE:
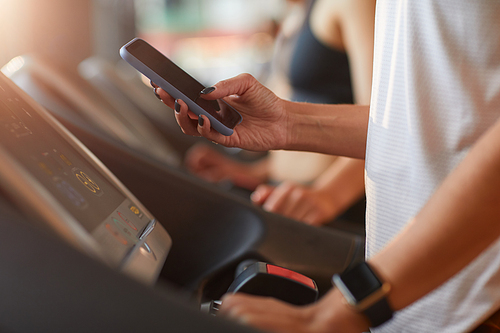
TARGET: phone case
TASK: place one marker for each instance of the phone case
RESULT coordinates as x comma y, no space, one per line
171,90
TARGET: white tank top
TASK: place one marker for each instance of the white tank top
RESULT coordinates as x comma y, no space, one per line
436,89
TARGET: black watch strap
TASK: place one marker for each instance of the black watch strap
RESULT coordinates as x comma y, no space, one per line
365,291
378,313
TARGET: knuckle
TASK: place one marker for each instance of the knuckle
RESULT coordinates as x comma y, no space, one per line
221,84
247,77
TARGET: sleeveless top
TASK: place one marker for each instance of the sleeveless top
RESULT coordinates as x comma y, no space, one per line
436,90
318,73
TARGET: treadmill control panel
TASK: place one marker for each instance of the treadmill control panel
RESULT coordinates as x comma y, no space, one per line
65,178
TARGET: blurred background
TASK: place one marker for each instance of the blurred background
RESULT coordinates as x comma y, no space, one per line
65,55
211,39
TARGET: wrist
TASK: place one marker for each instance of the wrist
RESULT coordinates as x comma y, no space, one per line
334,202
251,175
300,127
364,291
332,313
290,124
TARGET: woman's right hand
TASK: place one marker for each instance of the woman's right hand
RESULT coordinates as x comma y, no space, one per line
265,120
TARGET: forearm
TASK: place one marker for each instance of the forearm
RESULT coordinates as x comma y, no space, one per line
459,222
343,182
455,226
331,129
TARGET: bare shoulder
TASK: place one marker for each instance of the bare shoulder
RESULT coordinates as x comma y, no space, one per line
342,7
357,8
325,22
329,17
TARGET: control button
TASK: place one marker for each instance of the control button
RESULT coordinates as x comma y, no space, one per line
125,231
136,211
130,224
45,168
87,182
65,159
211,308
55,164
147,251
116,233
286,273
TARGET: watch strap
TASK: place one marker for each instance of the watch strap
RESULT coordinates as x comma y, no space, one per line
365,292
378,313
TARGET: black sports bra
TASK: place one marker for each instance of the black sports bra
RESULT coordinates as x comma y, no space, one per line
318,73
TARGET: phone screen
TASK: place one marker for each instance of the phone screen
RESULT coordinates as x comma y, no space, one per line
183,82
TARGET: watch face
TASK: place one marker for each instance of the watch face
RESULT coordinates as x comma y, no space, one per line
361,281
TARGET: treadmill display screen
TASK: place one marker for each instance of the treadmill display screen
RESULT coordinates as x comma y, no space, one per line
49,175
60,168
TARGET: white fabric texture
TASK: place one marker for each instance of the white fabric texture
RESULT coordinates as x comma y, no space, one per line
436,89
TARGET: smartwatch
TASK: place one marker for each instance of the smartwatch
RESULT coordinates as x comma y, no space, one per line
365,292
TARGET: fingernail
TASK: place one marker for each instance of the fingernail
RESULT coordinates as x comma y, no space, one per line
207,90
177,107
156,94
201,121
255,196
151,83
267,207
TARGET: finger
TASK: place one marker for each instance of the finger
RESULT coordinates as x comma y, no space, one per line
297,203
165,97
188,125
230,301
237,85
262,312
308,212
192,115
236,304
299,210
205,130
313,217
261,193
278,199
156,94
154,85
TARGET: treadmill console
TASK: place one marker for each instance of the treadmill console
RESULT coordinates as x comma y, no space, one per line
50,174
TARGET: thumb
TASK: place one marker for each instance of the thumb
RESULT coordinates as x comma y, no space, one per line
261,193
237,85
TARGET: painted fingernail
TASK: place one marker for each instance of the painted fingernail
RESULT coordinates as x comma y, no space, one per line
156,94
177,107
207,90
152,84
201,121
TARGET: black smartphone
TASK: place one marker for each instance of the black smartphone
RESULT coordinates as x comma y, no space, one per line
179,84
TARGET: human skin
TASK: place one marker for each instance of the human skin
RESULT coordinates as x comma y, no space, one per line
343,25
438,242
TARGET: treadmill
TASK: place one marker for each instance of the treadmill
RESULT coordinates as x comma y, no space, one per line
69,96
46,169
120,82
55,182
79,253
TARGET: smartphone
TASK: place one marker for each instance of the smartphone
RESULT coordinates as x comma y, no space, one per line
179,84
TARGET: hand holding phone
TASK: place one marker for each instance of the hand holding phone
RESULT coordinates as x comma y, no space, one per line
179,84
